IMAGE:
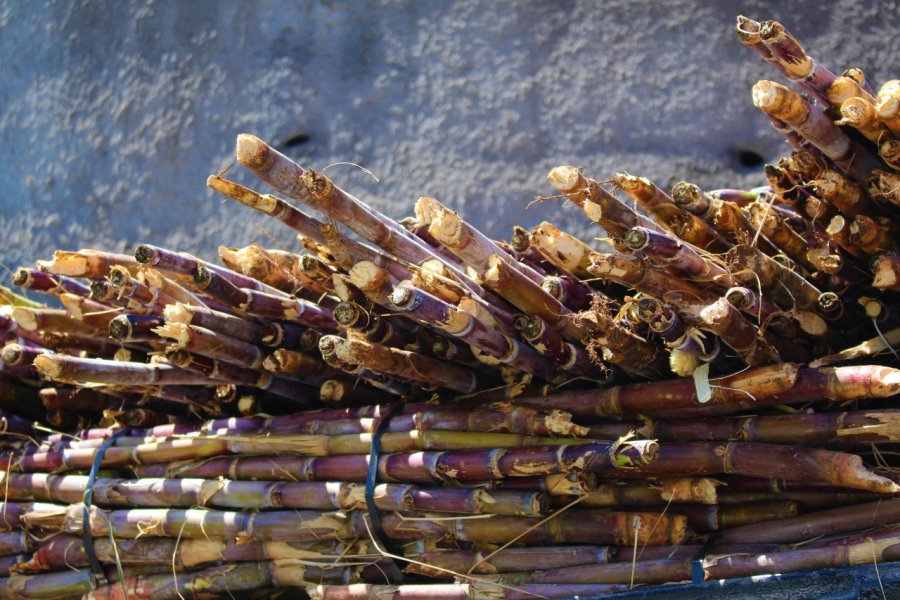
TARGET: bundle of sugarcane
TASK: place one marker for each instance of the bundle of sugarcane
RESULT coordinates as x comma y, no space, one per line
705,399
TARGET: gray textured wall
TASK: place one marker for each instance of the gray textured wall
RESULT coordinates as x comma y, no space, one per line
112,114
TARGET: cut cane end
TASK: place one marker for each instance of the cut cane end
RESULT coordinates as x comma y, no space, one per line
565,179
25,318
48,366
250,151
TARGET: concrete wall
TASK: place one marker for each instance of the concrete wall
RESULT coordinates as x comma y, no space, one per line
112,114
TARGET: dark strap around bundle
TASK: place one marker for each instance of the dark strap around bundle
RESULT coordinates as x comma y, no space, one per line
87,539
392,571
697,575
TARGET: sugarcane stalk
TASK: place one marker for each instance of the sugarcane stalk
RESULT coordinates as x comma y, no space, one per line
135,328
571,293
212,344
845,195
190,447
688,490
683,258
432,311
860,113
187,493
589,526
232,579
510,560
561,249
788,106
784,383
68,551
530,298
90,264
365,591
785,287
776,230
873,236
843,88
425,467
399,363
802,69
51,320
738,333
812,525
682,223
764,460
813,429
650,571
65,584
254,261
637,273
185,266
805,501
598,205
748,33
864,552
39,281
703,518
471,246
70,369
567,356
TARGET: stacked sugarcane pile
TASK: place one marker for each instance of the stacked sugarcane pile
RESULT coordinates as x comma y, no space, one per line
705,399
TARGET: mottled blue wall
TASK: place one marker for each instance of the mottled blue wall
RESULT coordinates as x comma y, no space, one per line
112,114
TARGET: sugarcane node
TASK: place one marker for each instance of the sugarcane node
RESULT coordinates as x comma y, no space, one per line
637,238
319,186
